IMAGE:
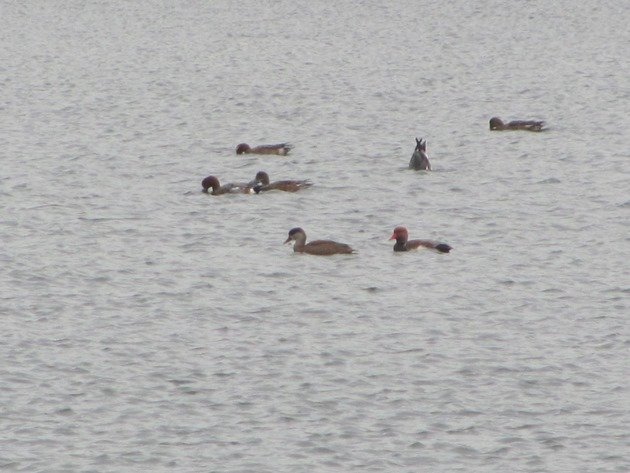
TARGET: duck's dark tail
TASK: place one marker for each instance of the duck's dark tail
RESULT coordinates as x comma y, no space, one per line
443,248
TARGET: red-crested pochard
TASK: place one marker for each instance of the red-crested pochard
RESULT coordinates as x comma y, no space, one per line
404,244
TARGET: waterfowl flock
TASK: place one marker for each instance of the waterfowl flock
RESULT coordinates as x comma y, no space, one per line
261,184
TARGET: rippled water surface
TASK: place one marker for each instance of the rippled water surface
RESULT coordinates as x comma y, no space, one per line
150,327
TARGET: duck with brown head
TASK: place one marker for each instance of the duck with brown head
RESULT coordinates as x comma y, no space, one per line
212,182
261,183
419,159
496,124
404,244
316,247
281,149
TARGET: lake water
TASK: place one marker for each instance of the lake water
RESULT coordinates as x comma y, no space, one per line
150,327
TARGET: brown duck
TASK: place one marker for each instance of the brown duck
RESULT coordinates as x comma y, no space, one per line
316,247
261,184
404,244
496,124
212,182
281,149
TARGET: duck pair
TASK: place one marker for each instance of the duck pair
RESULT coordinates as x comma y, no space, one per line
420,161
329,247
261,183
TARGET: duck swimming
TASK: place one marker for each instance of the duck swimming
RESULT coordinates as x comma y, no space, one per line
281,149
496,124
262,184
316,247
212,182
404,244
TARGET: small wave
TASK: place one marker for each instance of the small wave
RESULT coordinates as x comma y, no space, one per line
372,289
551,180
66,411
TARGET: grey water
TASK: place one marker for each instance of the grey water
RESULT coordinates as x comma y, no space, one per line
147,326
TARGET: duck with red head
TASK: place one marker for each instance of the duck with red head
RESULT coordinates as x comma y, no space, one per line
261,183
404,244
212,182
419,159
316,247
496,124
281,149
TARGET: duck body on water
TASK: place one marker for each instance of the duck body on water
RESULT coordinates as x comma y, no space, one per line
419,159
212,182
261,183
316,247
496,124
281,149
401,235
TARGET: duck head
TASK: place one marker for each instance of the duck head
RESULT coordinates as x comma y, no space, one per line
400,234
496,123
295,234
242,148
262,177
210,182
